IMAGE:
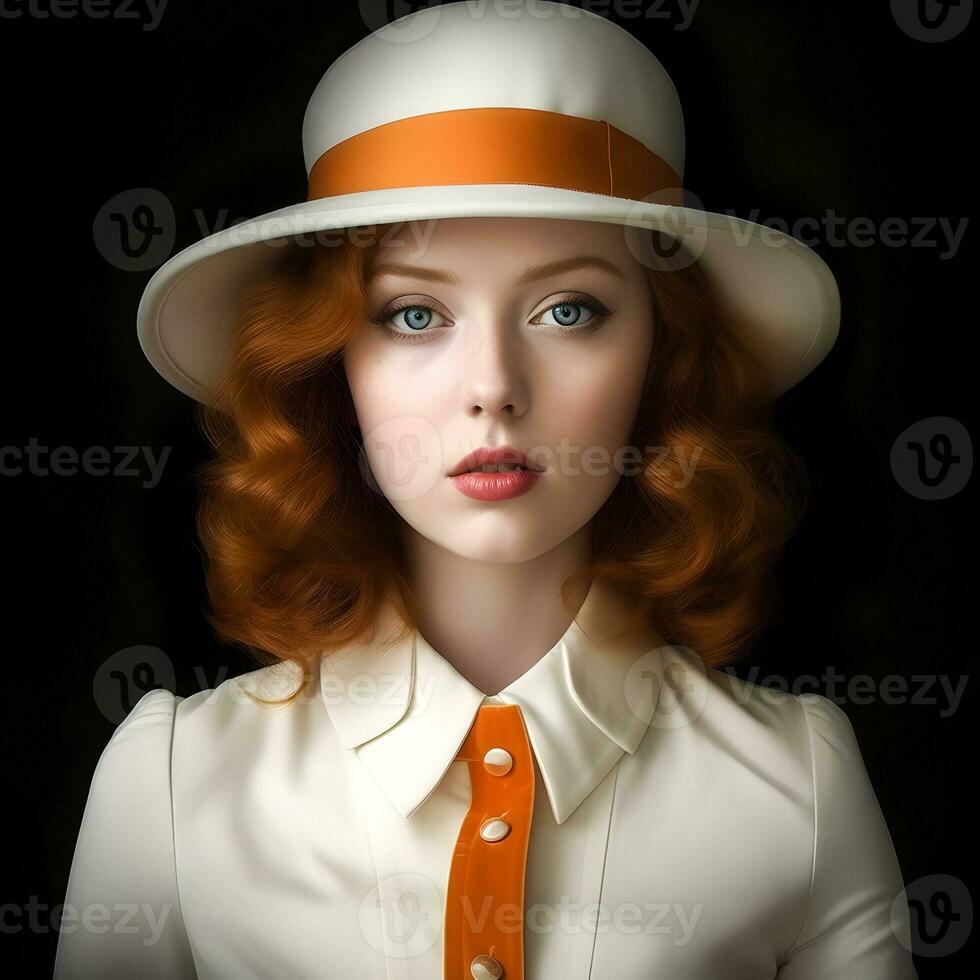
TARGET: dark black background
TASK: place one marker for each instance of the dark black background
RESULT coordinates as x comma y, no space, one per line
792,109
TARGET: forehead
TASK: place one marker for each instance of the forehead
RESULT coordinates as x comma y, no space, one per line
497,243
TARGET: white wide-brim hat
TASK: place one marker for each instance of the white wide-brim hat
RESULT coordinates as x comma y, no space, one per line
495,109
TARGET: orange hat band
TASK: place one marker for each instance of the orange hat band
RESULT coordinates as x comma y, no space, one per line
496,146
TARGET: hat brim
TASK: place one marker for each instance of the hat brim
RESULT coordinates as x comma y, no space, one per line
782,295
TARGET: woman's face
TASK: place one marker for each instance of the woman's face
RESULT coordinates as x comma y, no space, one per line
500,332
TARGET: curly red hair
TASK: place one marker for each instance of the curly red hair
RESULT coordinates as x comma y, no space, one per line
299,557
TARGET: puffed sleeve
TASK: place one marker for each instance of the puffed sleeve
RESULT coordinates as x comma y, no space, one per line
122,913
849,931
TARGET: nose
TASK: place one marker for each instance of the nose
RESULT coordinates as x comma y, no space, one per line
494,371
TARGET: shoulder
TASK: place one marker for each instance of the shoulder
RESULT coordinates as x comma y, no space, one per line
698,700
130,787
268,696
142,744
769,705
829,727
803,738
808,740
248,724
817,729
151,717
138,751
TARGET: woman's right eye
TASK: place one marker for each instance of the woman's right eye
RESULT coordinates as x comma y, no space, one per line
409,323
406,321
414,319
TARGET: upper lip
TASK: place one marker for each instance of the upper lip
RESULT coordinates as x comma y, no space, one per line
486,455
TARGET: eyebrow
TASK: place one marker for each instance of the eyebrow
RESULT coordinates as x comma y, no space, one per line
530,275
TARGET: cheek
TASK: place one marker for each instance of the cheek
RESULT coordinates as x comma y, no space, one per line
378,388
596,403
398,423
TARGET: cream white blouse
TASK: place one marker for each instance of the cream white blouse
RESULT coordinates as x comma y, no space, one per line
686,825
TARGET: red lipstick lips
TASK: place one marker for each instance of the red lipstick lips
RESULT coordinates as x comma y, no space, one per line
477,475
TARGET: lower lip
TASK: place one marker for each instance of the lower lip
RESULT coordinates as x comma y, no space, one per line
495,486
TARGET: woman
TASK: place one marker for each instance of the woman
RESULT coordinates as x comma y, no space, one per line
495,496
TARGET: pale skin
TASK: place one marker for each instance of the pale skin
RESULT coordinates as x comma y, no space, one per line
507,352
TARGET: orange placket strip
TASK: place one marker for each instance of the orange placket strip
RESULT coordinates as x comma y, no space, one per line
496,145
484,919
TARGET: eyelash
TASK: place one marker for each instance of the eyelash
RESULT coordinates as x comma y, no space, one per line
598,310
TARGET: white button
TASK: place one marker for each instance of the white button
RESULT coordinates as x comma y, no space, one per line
485,968
494,829
498,762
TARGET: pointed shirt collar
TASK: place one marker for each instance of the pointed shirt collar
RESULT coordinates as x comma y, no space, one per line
405,710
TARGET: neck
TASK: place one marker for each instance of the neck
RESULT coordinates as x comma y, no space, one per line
494,621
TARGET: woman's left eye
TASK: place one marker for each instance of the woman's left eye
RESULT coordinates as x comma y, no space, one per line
569,313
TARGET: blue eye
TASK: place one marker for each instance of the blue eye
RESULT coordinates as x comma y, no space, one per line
416,318
569,314
408,322
574,313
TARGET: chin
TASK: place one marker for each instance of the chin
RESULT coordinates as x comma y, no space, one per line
504,538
